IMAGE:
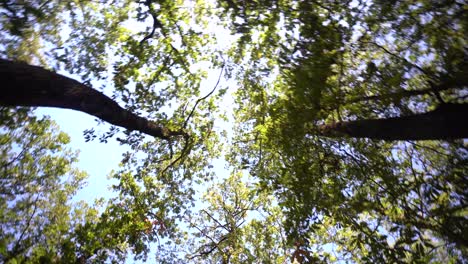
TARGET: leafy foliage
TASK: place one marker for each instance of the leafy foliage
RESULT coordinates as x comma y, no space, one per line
294,66
344,61
38,180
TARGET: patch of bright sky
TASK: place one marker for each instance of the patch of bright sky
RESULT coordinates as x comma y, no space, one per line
97,159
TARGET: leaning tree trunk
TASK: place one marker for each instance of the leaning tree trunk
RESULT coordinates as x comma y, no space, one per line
448,121
26,85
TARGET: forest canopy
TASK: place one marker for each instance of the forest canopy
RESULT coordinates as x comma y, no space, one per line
346,138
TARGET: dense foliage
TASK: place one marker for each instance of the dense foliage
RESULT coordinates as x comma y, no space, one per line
292,190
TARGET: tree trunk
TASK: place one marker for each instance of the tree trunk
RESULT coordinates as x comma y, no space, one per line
26,85
448,121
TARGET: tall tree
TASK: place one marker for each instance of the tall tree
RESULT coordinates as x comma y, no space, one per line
38,180
374,62
445,122
41,222
155,184
354,70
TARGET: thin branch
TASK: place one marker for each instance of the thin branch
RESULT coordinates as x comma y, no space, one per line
203,98
209,251
28,224
398,57
156,23
184,152
401,94
214,219
213,245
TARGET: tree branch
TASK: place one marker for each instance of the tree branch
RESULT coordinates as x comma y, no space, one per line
27,85
445,122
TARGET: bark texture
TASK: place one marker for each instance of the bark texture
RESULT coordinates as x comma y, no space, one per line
27,85
448,121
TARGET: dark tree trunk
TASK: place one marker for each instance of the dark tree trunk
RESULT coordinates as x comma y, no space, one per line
26,85
448,121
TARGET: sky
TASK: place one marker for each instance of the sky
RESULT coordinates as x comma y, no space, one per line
96,158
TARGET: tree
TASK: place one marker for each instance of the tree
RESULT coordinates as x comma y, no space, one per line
40,223
379,70
237,226
126,224
35,86
318,84
417,126
35,201
342,56
441,123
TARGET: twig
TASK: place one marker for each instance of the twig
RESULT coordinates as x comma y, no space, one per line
156,22
182,154
214,219
203,98
28,224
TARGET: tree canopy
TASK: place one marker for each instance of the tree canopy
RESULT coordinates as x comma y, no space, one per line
345,141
